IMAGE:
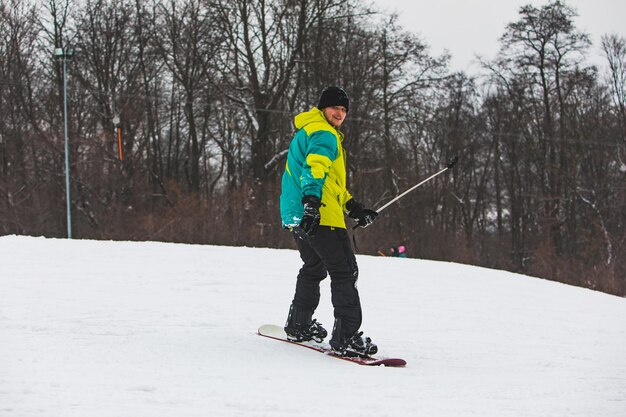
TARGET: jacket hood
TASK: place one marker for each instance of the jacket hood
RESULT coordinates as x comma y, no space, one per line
314,115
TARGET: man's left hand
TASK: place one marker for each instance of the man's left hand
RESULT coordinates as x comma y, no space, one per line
357,212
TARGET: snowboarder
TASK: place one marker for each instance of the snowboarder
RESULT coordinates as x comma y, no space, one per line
313,201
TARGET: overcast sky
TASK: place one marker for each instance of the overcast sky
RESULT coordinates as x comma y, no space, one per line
466,28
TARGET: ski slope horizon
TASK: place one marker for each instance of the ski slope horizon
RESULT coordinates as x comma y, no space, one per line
102,328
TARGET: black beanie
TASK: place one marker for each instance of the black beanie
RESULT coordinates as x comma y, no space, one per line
333,96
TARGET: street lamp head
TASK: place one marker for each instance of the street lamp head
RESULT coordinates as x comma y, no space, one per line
64,53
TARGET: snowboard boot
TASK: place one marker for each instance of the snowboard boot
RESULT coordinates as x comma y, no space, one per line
301,327
352,345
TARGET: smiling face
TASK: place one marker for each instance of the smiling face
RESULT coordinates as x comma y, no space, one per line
335,115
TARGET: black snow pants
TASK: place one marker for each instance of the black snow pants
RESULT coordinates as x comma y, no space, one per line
329,252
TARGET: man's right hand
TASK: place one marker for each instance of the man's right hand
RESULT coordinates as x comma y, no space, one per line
311,218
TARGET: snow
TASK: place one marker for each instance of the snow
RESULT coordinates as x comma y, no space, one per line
91,328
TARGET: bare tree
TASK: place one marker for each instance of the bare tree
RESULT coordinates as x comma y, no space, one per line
190,50
23,170
614,48
538,46
266,41
405,69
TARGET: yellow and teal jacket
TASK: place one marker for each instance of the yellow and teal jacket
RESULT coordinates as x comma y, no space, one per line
316,165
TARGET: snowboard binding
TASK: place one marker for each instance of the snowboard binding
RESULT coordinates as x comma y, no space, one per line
352,346
301,327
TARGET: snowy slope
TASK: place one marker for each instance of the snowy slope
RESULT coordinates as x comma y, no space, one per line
150,329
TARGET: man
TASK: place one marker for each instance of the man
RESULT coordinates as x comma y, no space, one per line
313,201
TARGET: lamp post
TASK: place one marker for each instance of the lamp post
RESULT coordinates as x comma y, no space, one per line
66,54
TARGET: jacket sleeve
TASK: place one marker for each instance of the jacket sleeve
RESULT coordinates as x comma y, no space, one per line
321,152
346,198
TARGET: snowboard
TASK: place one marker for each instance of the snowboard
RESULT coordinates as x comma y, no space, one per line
276,332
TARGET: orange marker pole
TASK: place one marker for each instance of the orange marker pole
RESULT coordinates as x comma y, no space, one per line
119,142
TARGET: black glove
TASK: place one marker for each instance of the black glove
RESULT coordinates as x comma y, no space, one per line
364,217
311,218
